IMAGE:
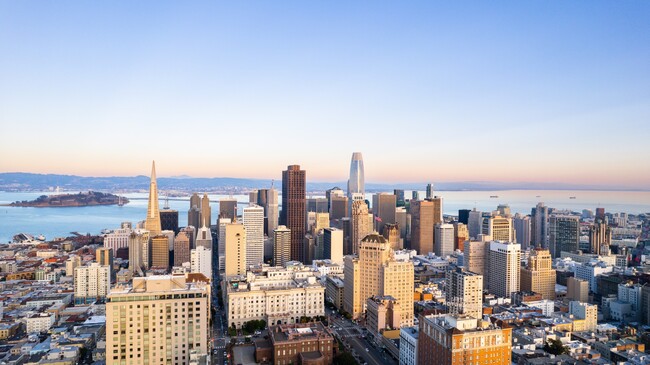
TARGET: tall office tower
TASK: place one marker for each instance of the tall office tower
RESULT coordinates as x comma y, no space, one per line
70,264
195,201
476,254
160,252
331,193
463,216
118,238
499,227
253,219
539,225
221,241
383,207
564,234
401,220
206,211
181,248
320,221
474,223
356,183
464,293
294,214
461,234
194,217
235,253
399,197
504,210
317,205
183,308
268,199
139,252
600,214
152,224
415,195
444,237
281,246
422,222
333,245
429,191
376,272
204,238
504,263
191,234
201,261
391,233
169,220
447,339
359,224
104,256
539,276
346,225
577,289
91,283
228,208
253,196
339,208
522,230
437,209
600,237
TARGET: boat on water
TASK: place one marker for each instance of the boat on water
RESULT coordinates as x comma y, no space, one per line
27,239
572,197
41,238
493,196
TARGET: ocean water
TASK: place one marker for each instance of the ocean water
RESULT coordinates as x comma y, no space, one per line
60,222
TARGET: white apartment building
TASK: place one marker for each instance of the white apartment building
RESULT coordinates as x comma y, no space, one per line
91,282
201,261
253,219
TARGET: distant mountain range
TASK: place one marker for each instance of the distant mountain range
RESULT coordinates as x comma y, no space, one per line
20,181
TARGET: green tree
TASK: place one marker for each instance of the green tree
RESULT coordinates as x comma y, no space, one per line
345,358
555,347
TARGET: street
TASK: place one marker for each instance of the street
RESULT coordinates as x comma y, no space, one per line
349,334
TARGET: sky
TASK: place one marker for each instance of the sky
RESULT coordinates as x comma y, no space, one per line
543,91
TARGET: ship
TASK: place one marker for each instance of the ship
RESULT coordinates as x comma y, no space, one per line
494,196
572,197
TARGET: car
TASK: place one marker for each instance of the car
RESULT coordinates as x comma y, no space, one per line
367,350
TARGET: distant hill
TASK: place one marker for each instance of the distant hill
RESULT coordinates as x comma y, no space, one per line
19,181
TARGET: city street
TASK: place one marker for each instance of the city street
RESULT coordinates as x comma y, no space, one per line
349,334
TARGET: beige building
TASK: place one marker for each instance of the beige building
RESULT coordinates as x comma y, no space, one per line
91,283
158,320
376,272
235,254
499,228
504,264
577,289
334,288
382,313
464,293
281,246
277,295
160,252
360,224
422,222
539,276
588,312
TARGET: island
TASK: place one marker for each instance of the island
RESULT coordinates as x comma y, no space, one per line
73,200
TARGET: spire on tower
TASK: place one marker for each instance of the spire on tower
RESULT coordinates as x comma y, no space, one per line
152,223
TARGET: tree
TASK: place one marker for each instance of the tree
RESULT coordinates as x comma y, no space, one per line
555,347
345,358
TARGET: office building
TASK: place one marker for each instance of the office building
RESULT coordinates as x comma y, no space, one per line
317,205
235,250
91,283
356,183
160,252
117,239
392,234
504,263
589,271
333,245
139,252
294,212
499,228
194,213
169,220
399,195
564,234
429,191
463,216
461,234
453,340
474,223
539,276
376,272
383,208
104,256
181,249
577,289
444,238
204,238
157,320
201,261
152,223
408,345
228,208
588,312
206,212
253,219
422,223
464,293
476,254
268,199
281,246
382,313
539,225
360,224
221,241
600,237
522,227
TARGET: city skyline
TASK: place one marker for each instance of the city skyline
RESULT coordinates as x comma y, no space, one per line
561,90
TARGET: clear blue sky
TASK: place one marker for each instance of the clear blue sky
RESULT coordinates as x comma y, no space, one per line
428,91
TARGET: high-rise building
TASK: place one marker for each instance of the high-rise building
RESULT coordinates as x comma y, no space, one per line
408,345
195,201
91,283
253,219
448,340
152,224
422,223
356,183
522,230
564,234
399,194
139,252
71,264
235,249
330,194
588,312
600,214
118,238
333,245
464,293
181,249
461,234
499,228
281,246
360,224
160,252
221,241
204,238
268,199
539,225
317,205
504,264
463,216
415,195
392,234
201,261
194,217
169,220
476,253
104,256
339,207
191,234
429,191
600,237
228,208
539,276
293,214
134,316
206,212
444,238
474,223
577,289
376,272
383,208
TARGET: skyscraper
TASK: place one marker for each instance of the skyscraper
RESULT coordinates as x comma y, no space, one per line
253,219
392,234
356,183
268,199
104,256
600,237
294,212
474,223
206,212
160,252
360,224
538,276
499,228
422,222
463,216
194,213
281,246
399,193
461,234
228,208
539,225
444,237
181,248
204,238
383,208
221,241
504,258
138,252
429,191
333,245
152,224
235,254
91,283
522,230
564,233
169,218
201,261
464,293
